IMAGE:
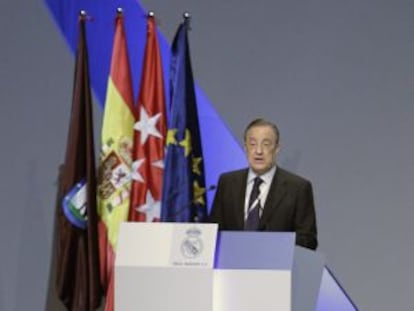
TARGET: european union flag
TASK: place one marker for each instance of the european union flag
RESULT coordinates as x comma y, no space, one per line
184,192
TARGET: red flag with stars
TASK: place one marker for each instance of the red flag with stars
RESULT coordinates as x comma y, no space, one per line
149,135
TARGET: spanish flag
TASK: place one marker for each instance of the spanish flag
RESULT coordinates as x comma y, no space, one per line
114,179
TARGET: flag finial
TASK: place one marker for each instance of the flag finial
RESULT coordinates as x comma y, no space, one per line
83,15
187,19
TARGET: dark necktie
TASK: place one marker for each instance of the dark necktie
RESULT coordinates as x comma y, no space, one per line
253,216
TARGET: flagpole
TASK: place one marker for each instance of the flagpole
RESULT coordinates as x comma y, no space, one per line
187,19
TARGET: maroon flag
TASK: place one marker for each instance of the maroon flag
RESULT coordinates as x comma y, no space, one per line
77,281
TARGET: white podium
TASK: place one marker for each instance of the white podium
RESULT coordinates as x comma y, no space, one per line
165,266
180,267
265,271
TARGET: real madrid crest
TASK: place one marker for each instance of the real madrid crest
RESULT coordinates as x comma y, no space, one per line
192,245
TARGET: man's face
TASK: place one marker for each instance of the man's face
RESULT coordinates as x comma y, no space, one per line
261,148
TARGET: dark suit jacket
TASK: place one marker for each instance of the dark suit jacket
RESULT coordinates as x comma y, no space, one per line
289,205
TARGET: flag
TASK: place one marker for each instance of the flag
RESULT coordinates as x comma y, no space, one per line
216,135
114,178
149,134
184,192
77,275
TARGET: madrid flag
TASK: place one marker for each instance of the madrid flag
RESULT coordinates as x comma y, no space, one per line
149,135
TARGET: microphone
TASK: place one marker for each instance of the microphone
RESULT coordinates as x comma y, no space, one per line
189,204
262,226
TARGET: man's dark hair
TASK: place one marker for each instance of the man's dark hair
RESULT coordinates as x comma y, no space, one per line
262,122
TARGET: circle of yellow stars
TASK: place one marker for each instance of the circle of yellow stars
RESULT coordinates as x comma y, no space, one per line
186,144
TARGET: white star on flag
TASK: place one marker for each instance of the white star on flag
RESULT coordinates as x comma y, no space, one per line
159,163
147,125
135,170
151,208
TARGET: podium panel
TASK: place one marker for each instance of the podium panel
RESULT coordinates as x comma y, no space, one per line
244,290
265,271
179,267
307,274
172,289
165,266
253,271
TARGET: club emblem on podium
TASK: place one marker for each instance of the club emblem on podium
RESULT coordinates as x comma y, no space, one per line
192,245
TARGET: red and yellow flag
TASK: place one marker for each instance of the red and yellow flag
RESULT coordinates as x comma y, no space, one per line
114,183
149,135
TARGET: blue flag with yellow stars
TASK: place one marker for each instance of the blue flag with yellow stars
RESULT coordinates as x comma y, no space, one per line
184,193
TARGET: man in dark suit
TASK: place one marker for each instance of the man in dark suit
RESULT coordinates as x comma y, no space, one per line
265,197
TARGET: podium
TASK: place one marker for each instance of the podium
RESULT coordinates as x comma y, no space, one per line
180,267
164,266
265,271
